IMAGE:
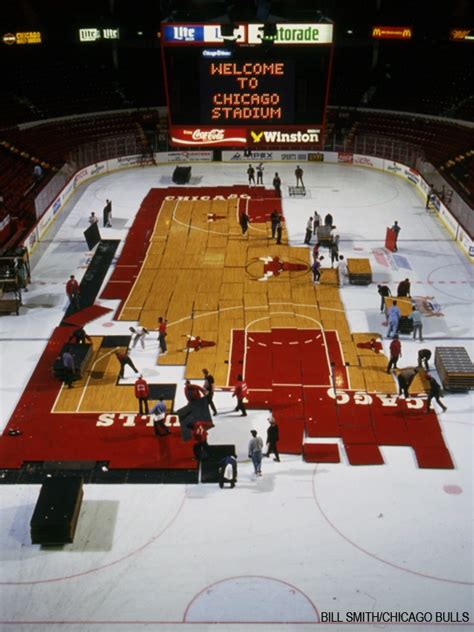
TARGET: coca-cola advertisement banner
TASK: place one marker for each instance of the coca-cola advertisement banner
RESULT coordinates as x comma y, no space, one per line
207,136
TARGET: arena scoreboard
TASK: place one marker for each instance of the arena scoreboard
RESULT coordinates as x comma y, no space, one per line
249,89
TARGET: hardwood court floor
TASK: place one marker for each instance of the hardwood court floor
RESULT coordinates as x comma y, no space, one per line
207,279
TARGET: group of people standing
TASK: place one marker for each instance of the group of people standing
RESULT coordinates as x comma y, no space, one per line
251,174
251,171
406,376
228,465
106,215
255,448
393,312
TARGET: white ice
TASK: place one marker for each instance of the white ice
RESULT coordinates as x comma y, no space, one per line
303,539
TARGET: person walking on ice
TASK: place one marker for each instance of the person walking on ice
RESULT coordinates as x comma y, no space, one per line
415,318
299,176
434,393
251,175
309,231
273,436
277,185
255,452
396,229
341,270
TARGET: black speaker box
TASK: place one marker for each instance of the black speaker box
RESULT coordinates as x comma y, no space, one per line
210,465
181,175
55,516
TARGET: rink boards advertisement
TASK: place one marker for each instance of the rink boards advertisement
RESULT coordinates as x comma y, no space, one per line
262,156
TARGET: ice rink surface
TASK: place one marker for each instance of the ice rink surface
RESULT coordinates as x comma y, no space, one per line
303,544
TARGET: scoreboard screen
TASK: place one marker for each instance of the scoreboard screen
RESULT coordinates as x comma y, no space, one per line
247,91
240,93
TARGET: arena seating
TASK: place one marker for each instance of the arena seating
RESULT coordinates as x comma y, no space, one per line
51,143
438,139
56,139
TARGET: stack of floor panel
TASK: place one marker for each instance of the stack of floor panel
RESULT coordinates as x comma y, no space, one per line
57,510
455,368
297,191
359,271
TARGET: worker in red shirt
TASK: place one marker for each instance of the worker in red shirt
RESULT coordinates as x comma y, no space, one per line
124,360
142,393
240,391
201,446
73,291
162,324
193,391
395,353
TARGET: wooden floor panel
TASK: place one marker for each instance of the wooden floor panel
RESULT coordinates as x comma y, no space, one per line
208,281
256,300
357,379
130,314
232,291
204,320
282,321
254,286
234,275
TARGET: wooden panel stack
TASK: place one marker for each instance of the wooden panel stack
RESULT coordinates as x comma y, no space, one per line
359,271
455,368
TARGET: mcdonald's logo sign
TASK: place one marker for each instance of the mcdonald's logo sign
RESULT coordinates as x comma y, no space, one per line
461,35
392,32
